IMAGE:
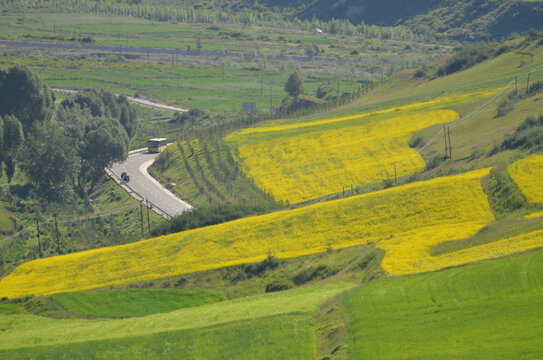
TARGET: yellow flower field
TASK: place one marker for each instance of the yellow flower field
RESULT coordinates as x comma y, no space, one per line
272,126
314,164
397,219
534,215
527,173
409,253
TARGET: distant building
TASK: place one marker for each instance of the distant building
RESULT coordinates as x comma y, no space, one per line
317,31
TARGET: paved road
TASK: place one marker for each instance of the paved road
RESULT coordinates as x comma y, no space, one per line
139,101
122,50
142,183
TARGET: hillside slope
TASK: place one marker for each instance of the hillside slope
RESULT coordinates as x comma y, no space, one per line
468,19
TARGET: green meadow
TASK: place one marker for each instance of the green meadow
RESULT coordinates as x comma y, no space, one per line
21,332
492,310
133,302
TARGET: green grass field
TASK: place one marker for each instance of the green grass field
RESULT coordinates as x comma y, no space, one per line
270,319
277,337
133,302
492,310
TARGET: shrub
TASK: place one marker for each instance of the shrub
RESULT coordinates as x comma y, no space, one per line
506,105
258,269
529,135
466,57
279,285
312,273
435,162
415,141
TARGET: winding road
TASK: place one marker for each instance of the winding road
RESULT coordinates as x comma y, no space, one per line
146,186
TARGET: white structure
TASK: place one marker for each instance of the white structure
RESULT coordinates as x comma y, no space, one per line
317,31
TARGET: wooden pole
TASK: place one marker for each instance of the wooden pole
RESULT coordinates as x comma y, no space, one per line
450,147
148,221
445,137
395,176
271,98
516,86
58,236
352,191
528,82
141,217
38,232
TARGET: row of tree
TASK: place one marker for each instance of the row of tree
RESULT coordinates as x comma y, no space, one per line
245,16
61,150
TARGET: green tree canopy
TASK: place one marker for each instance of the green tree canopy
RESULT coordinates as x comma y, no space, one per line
295,84
25,96
99,141
103,103
12,139
50,162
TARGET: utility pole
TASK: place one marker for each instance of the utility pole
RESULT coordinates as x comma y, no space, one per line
395,176
147,57
148,221
271,98
222,79
528,82
38,232
516,86
337,86
54,28
450,147
445,137
141,217
261,84
58,236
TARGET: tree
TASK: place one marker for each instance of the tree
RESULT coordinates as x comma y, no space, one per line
50,162
103,103
12,140
25,96
294,85
105,142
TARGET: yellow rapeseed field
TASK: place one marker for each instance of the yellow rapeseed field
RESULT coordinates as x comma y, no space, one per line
527,173
272,126
397,219
409,253
534,215
319,163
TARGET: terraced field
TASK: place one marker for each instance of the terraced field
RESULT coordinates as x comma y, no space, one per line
267,326
527,173
484,311
406,221
296,162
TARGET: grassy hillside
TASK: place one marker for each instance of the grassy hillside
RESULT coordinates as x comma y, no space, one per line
485,311
133,302
278,337
29,331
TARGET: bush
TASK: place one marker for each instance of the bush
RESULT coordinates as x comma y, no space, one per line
529,135
415,141
504,196
207,215
312,273
279,285
258,269
506,105
466,57
435,162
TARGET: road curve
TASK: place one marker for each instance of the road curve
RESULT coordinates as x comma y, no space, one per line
146,186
